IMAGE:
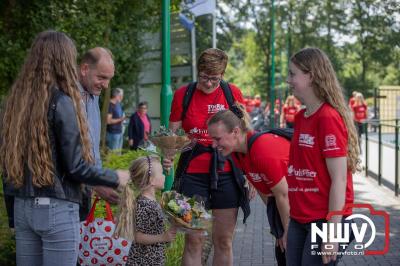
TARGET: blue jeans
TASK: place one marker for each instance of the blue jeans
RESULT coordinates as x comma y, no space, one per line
46,231
298,249
114,141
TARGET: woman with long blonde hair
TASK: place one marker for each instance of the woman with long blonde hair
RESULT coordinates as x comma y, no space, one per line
323,154
46,154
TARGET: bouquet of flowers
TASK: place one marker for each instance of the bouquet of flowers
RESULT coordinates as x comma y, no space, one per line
186,213
170,143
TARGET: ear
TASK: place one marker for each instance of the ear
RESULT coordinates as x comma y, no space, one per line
236,131
84,69
311,76
152,180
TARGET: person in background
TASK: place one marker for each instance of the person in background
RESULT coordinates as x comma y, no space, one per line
323,155
257,101
277,112
360,114
352,98
250,104
139,127
115,118
289,111
46,154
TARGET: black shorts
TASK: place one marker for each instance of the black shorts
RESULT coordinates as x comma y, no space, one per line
226,196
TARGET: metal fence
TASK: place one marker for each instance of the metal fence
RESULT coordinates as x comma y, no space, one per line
386,134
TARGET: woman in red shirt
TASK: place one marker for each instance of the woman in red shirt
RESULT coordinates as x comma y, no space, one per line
264,165
289,110
360,113
323,155
202,171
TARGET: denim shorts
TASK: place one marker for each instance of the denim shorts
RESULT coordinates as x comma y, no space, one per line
226,196
46,231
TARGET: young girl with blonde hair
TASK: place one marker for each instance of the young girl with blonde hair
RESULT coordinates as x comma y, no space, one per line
141,218
323,155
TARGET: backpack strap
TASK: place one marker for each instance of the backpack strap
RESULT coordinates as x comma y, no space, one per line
190,91
227,92
253,138
286,133
187,98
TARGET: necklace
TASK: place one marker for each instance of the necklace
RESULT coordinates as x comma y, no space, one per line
310,111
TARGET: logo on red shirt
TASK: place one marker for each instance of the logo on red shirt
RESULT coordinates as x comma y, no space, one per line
198,131
306,140
256,177
330,143
302,173
215,108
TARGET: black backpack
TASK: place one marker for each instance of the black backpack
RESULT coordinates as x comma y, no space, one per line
286,133
190,91
274,218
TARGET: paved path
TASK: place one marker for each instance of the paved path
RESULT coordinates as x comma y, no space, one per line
253,244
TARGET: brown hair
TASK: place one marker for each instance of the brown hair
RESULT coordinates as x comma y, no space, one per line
51,62
238,117
141,174
212,61
327,88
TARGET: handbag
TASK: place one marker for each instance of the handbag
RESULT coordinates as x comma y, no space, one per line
98,246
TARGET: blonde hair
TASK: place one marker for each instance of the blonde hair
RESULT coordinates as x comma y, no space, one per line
327,88
359,99
212,61
141,175
51,62
237,117
290,99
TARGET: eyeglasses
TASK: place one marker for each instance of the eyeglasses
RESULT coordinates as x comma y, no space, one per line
205,79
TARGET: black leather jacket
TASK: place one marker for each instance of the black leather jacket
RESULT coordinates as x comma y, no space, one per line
70,168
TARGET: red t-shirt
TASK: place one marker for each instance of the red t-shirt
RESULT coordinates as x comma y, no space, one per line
201,108
266,163
322,135
351,101
360,112
289,113
250,105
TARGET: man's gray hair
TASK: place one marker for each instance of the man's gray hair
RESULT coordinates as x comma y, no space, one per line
117,91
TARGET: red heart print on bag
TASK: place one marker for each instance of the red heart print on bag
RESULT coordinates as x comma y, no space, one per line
101,245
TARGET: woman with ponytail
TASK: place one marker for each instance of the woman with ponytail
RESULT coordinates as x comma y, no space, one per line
140,217
323,154
264,163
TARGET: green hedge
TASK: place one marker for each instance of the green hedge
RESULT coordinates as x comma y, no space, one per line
7,238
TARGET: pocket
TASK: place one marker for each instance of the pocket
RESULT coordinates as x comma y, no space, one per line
43,218
73,209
